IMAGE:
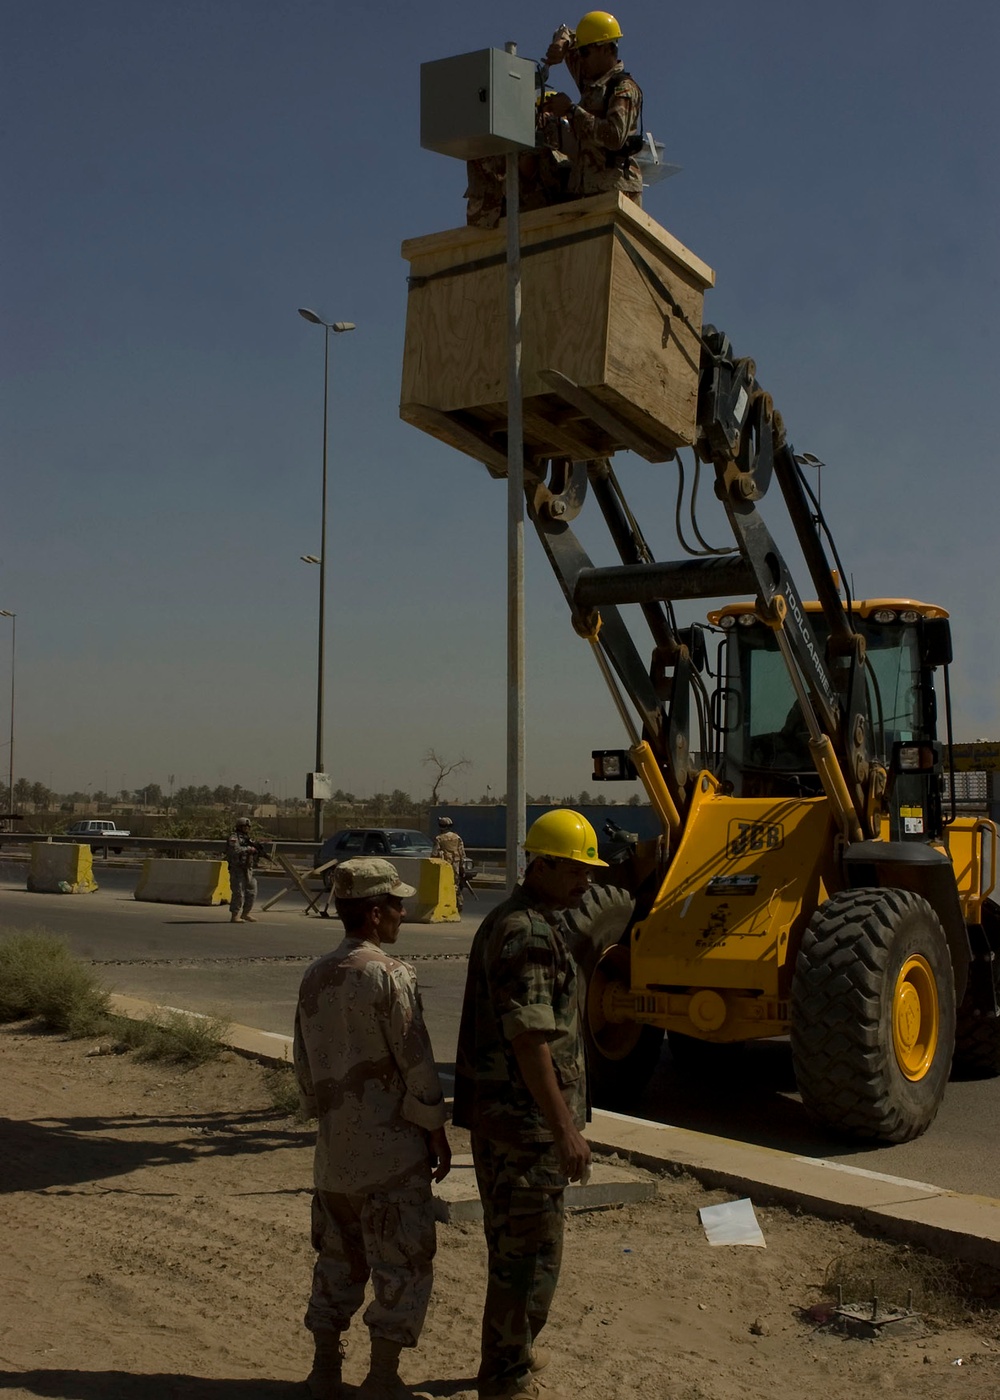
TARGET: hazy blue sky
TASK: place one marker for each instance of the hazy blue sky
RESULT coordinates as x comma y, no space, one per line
181,175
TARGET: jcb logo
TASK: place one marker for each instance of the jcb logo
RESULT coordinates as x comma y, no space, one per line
747,837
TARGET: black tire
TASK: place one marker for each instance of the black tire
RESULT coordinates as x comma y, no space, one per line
620,1058
873,1014
977,1037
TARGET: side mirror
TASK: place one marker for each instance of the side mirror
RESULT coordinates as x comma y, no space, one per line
935,642
693,638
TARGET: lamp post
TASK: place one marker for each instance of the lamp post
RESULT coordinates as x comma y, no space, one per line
13,636
338,327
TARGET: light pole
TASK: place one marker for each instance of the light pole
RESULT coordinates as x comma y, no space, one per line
10,770
338,327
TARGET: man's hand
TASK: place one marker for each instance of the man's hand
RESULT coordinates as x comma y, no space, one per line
440,1150
558,104
561,40
574,1152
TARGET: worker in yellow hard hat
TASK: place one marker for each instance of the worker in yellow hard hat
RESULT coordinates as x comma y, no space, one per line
520,1088
606,122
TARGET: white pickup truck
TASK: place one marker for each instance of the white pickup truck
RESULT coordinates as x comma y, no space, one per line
98,833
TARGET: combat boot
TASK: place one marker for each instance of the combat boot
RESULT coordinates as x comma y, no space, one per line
382,1381
528,1389
325,1380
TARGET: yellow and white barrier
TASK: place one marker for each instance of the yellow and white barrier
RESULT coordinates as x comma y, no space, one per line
184,882
434,901
59,868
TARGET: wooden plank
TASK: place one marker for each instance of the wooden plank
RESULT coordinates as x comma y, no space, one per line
448,429
619,430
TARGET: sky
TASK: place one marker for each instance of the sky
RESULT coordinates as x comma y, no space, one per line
181,176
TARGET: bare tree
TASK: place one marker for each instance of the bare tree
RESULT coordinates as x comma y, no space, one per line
443,767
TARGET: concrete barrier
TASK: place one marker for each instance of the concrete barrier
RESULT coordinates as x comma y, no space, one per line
434,901
59,868
184,882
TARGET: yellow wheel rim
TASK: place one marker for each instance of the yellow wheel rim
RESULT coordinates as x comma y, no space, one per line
614,1039
915,1017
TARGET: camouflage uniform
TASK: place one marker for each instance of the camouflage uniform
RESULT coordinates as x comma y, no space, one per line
241,854
542,176
599,126
449,846
521,978
365,1068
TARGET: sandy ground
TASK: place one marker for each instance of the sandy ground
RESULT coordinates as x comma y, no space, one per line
154,1227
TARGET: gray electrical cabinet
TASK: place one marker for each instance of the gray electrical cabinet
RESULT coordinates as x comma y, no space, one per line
477,104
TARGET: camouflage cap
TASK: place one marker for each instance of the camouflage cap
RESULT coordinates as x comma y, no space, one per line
368,876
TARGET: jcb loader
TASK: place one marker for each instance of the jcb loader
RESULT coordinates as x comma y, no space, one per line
809,880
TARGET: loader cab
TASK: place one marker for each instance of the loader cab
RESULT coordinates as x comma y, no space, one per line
763,741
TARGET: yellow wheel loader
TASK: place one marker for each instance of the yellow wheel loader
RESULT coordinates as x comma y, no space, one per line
809,881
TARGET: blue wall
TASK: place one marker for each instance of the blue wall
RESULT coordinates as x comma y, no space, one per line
487,826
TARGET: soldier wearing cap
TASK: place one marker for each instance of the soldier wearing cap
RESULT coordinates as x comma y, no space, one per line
520,1088
365,1069
449,846
605,126
241,857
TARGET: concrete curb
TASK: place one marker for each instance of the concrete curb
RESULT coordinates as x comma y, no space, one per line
965,1228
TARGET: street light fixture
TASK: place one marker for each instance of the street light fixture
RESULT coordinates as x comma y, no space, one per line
338,327
10,787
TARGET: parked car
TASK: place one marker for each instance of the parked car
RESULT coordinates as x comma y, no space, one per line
386,841
99,833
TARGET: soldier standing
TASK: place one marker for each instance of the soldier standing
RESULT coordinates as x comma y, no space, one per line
241,857
449,846
365,1068
520,1087
606,123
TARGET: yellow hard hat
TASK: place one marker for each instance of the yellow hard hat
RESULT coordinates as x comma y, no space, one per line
597,27
563,834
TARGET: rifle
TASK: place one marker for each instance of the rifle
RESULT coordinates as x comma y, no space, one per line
465,881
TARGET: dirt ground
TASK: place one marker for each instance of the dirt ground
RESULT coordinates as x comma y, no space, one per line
154,1226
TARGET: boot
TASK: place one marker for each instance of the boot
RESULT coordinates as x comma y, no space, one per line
382,1381
325,1378
540,1358
249,919
236,918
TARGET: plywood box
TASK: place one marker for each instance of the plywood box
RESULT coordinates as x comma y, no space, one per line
611,303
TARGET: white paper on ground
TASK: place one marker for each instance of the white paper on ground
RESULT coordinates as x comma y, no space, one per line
734,1222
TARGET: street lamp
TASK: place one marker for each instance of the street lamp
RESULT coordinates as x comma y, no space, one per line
337,327
10,789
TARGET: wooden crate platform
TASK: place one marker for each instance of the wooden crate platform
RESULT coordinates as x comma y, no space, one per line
611,313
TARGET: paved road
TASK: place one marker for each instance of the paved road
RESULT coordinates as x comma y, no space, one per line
194,959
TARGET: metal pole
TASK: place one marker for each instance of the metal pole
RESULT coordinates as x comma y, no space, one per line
10,771
318,801
515,532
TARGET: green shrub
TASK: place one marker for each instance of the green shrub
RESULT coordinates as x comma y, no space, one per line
40,977
174,1037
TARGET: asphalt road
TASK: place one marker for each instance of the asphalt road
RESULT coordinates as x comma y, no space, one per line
195,959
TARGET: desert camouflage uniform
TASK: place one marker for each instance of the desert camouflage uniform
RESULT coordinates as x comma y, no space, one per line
365,1068
542,176
449,846
600,126
521,978
240,857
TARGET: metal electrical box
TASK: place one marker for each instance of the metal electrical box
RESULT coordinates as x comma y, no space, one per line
477,104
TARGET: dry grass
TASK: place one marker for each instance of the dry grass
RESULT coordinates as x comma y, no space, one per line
40,978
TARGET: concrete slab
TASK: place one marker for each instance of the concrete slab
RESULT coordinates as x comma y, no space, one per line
457,1197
